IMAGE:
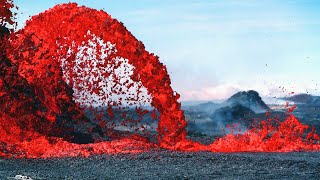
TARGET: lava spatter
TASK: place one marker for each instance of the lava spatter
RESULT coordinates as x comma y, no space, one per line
71,59
49,43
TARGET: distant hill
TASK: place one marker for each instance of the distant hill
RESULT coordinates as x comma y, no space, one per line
211,118
239,106
250,99
304,99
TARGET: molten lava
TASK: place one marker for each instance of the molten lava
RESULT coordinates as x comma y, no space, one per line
48,74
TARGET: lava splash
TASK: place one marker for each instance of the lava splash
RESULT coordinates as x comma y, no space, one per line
56,68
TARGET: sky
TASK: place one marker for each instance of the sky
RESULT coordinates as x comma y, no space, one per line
212,49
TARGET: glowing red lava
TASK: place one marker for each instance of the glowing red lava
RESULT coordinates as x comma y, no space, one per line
42,72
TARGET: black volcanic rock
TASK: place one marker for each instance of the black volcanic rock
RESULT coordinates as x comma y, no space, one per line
250,99
4,31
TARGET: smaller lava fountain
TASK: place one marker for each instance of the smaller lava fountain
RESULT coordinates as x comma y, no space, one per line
69,60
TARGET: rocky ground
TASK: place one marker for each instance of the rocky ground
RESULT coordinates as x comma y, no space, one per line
164,164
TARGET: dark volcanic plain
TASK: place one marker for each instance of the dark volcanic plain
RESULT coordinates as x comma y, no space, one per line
163,164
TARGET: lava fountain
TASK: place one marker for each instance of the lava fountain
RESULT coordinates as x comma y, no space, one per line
69,59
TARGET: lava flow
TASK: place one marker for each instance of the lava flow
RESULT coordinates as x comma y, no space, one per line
69,59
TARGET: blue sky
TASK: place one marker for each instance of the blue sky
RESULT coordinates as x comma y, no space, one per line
213,49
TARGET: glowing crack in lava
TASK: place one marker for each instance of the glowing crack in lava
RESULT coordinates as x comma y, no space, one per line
70,58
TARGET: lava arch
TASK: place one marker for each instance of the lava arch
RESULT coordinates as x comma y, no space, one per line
37,48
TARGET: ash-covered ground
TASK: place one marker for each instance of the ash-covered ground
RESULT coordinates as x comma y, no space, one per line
164,164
